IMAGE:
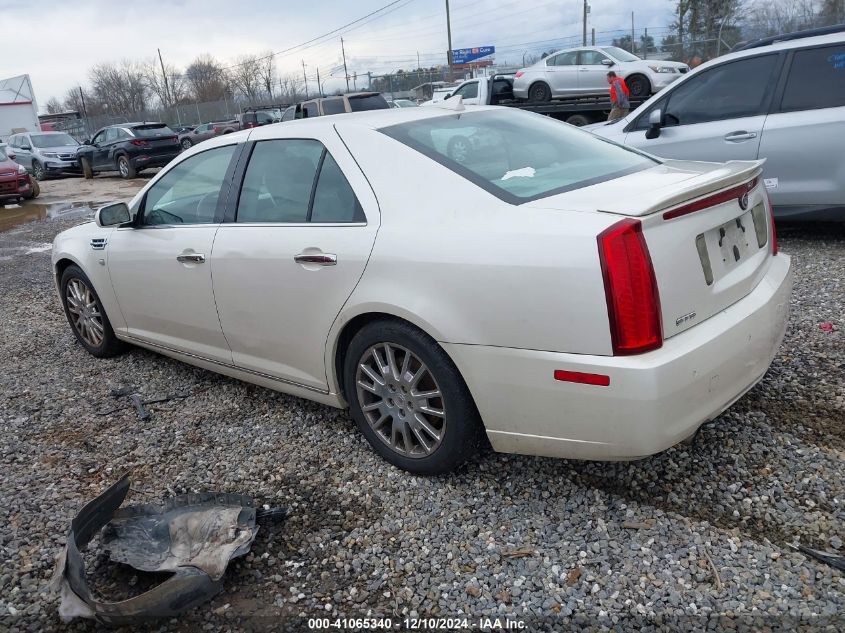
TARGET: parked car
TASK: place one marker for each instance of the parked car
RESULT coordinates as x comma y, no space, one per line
569,296
182,129
46,154
197,135
15,182
245,121
403,103
128,148
352,102
582,71
768,101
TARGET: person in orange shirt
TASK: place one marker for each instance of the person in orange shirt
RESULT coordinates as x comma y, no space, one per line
618,97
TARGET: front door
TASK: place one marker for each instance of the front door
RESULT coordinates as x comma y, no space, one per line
101,143
23,156
717,115
592,73
161,270
305,225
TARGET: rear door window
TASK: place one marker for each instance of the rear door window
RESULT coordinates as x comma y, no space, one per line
334,106
564,59
816,79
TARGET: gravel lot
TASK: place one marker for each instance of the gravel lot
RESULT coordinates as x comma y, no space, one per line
697,532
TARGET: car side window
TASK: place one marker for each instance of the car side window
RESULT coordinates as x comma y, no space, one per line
468,90
732,90
309,110
99,137
816,79
592,58
333,106
564,59
278,181
188,193
334,200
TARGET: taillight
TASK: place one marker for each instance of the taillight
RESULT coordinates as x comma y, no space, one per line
139,142
633,302
772,223
711,201
519,74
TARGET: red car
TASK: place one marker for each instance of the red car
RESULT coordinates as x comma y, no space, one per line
15,182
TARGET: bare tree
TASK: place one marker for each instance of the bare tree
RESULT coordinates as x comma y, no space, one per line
54,106
268,72
206,79
291,88
771,17
120,86
246,76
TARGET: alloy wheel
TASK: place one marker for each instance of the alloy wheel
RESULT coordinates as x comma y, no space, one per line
123,165
401,400
186,143
84,312
38,171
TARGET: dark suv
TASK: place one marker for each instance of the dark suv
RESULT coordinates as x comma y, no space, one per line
128,148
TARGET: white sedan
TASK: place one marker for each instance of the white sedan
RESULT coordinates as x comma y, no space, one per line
446,272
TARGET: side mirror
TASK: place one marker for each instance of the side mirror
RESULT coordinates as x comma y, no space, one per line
112,214
26,148
86,141
655,121
447,95
607,62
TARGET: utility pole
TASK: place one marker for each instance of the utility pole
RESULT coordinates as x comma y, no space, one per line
164,76
304,79
369,80
345,72
584,39
645,44
319,86
355,80
593,39
418,60
633,47
449,37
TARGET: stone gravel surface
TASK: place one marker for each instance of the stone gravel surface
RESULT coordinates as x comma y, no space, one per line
697,536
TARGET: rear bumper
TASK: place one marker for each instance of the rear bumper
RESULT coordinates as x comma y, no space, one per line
654,400
154,160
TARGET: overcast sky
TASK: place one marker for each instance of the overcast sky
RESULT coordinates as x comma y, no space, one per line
56,42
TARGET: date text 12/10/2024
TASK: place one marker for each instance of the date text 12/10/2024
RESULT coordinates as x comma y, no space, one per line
418,624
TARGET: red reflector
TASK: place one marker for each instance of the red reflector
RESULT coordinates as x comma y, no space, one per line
519,74
582,378
711,201
633,302
772,222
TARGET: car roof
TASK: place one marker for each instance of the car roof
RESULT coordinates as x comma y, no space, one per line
377,119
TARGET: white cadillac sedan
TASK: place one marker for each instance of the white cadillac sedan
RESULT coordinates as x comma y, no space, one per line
565,295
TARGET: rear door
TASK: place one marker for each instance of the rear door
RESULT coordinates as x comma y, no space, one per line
299,238
562,74
716,115
809,114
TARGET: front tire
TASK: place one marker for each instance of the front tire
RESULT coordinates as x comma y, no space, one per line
34,189
409,400
540,92
578,120
126,169
638,85
38,170
86,315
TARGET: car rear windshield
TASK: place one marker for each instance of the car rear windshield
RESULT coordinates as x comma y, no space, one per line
147,131
518,156
52,140
368,102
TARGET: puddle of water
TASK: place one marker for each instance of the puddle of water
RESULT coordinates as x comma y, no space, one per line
15,215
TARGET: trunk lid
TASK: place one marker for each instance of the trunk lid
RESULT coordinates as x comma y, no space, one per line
156,136
707,227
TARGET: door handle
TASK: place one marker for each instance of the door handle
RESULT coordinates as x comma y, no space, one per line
740,136
320,259
193,258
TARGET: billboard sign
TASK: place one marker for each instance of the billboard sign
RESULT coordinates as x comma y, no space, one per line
467,55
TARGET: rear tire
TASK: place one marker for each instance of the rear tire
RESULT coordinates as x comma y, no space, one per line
86,315
126,169
187,143
638,85
540,92
87,172
403,421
